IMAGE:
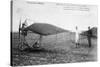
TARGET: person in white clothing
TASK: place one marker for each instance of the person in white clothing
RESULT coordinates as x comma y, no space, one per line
77,36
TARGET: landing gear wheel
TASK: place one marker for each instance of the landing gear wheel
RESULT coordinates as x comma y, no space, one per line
22,46
36,46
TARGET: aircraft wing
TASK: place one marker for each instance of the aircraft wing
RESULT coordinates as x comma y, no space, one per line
44,29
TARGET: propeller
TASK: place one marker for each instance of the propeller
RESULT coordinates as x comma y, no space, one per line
20,43
19,29
21,26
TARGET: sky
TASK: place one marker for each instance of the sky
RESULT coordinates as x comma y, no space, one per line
63,15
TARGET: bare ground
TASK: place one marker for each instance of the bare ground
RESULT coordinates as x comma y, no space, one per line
55,56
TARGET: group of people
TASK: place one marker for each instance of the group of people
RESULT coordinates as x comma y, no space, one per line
89,35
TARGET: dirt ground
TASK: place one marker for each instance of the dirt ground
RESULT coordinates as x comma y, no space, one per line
43,56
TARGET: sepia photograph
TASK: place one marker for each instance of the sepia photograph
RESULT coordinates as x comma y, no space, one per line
44,33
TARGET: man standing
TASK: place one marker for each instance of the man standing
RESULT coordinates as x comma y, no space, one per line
23,42
89,35
24,25
77,37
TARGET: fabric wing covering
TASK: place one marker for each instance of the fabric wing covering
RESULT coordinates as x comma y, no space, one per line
44,29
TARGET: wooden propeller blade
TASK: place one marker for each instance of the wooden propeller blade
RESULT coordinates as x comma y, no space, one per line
19,29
